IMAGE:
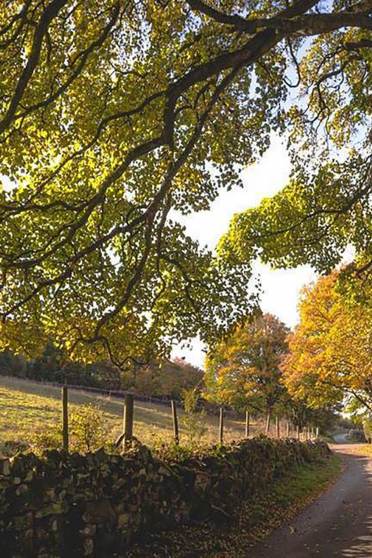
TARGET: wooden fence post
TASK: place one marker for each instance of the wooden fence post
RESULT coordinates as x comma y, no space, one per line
298,432
247,421
128,419
317,432
268,420
65,417
277,424
175,422
220,437
288,428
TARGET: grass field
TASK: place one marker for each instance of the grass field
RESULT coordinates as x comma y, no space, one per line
28,407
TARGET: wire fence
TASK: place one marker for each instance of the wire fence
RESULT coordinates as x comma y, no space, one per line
281,428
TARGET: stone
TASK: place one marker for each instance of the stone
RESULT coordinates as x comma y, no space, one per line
89,530
88,547
22,489
123,520
5,467
55,508
100,512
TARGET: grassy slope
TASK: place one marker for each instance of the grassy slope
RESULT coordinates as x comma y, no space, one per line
257,517
26,407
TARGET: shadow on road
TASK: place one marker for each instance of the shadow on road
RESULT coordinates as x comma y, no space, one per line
360,546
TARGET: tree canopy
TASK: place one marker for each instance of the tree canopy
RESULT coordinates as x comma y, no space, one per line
331,351
115,113
243,369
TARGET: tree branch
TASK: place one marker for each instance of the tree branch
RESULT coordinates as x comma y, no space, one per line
50,12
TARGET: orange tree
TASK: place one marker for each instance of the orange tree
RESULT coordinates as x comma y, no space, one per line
243,369
330,351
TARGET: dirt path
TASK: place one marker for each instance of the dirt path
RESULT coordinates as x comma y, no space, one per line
338,524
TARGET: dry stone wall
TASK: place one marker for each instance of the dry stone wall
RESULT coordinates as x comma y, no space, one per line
71,505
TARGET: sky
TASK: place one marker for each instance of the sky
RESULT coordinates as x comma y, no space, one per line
280,287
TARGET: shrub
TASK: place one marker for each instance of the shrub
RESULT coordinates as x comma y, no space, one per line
193,420
87,428
355,435
46,439
173,452
87,432
367,427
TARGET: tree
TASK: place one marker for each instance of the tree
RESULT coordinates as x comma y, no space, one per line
361,417
115,113
330,350
166,378
243,370
301,413
193,418
367,428
177,377
47,366
12,365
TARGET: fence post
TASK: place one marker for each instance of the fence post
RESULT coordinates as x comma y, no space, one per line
288,428
298,432
175,421
128,418
247,421
277,424
220,437
317,432
268,420
65,417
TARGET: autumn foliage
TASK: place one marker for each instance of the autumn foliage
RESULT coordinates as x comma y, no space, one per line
330,350
243,370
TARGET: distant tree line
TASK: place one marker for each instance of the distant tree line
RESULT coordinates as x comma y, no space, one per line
158,379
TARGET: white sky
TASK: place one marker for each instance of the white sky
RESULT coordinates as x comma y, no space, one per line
280,287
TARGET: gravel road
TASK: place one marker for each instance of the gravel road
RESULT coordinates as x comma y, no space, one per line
338,524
